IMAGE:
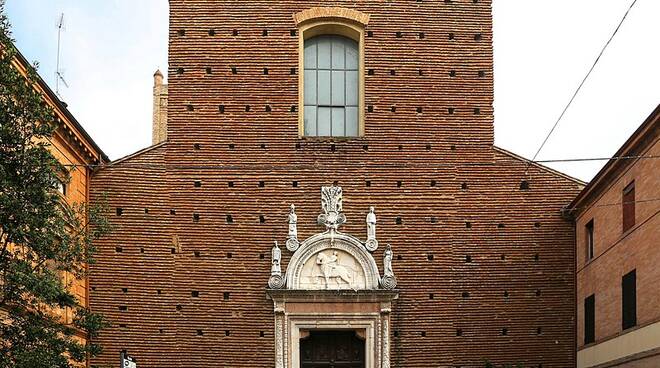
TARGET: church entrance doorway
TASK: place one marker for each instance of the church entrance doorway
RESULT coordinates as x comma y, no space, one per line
332,349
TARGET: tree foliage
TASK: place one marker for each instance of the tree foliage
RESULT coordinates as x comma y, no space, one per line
41,237
488,364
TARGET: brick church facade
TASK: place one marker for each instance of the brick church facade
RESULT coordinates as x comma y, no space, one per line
483,260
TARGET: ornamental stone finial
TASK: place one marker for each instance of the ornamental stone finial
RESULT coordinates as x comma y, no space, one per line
292,242
331,203
371,243
389,280
276,280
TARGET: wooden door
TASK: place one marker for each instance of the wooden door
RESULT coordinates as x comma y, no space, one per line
332,349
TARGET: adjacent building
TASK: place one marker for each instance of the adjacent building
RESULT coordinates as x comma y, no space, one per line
412,240
77,151
617,238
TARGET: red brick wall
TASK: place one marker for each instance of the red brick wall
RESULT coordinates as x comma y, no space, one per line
616,252
435,91
431,154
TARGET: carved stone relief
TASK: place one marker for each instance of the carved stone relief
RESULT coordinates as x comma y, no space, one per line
279,340
331,203
385,355
332,269
306,268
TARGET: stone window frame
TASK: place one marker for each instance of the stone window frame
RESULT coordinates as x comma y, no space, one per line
331,21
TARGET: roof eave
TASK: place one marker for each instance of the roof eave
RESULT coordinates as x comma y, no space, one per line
649,126
103,158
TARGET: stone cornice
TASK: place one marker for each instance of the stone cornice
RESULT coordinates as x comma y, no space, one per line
332,295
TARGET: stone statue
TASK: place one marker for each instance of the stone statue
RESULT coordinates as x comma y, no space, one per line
372,243
276,280
292,242
387,261
388,281
276,256
293,221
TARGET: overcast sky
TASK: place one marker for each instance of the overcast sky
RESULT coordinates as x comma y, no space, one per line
543,49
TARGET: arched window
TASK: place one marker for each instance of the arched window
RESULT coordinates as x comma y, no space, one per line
331,86
331,79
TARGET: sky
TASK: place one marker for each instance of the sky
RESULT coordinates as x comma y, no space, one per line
111,48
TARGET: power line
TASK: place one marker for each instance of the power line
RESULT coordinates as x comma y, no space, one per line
594,159
602,51
619,203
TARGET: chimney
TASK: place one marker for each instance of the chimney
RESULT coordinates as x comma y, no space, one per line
159,132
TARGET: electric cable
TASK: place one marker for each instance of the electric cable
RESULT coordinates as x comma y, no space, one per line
602,51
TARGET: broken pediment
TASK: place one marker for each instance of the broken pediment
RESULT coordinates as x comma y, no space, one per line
332,260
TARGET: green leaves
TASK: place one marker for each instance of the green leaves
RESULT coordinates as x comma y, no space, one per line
488,364
42,238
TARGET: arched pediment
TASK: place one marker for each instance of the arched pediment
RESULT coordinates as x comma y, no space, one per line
332,261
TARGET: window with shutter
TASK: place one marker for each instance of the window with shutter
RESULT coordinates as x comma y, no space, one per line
589,231
629,300
628,206
590,319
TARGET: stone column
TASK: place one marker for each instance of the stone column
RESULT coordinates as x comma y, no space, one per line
386,309
279,337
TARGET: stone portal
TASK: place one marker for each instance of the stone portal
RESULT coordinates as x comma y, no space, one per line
332,288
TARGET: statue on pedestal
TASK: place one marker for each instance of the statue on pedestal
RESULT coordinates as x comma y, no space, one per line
388,281
292,242
276,280
371,244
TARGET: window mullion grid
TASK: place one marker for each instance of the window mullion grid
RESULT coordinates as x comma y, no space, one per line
345,86
331,106
332,47
316,75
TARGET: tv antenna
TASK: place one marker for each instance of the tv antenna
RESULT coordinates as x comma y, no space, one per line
59,77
